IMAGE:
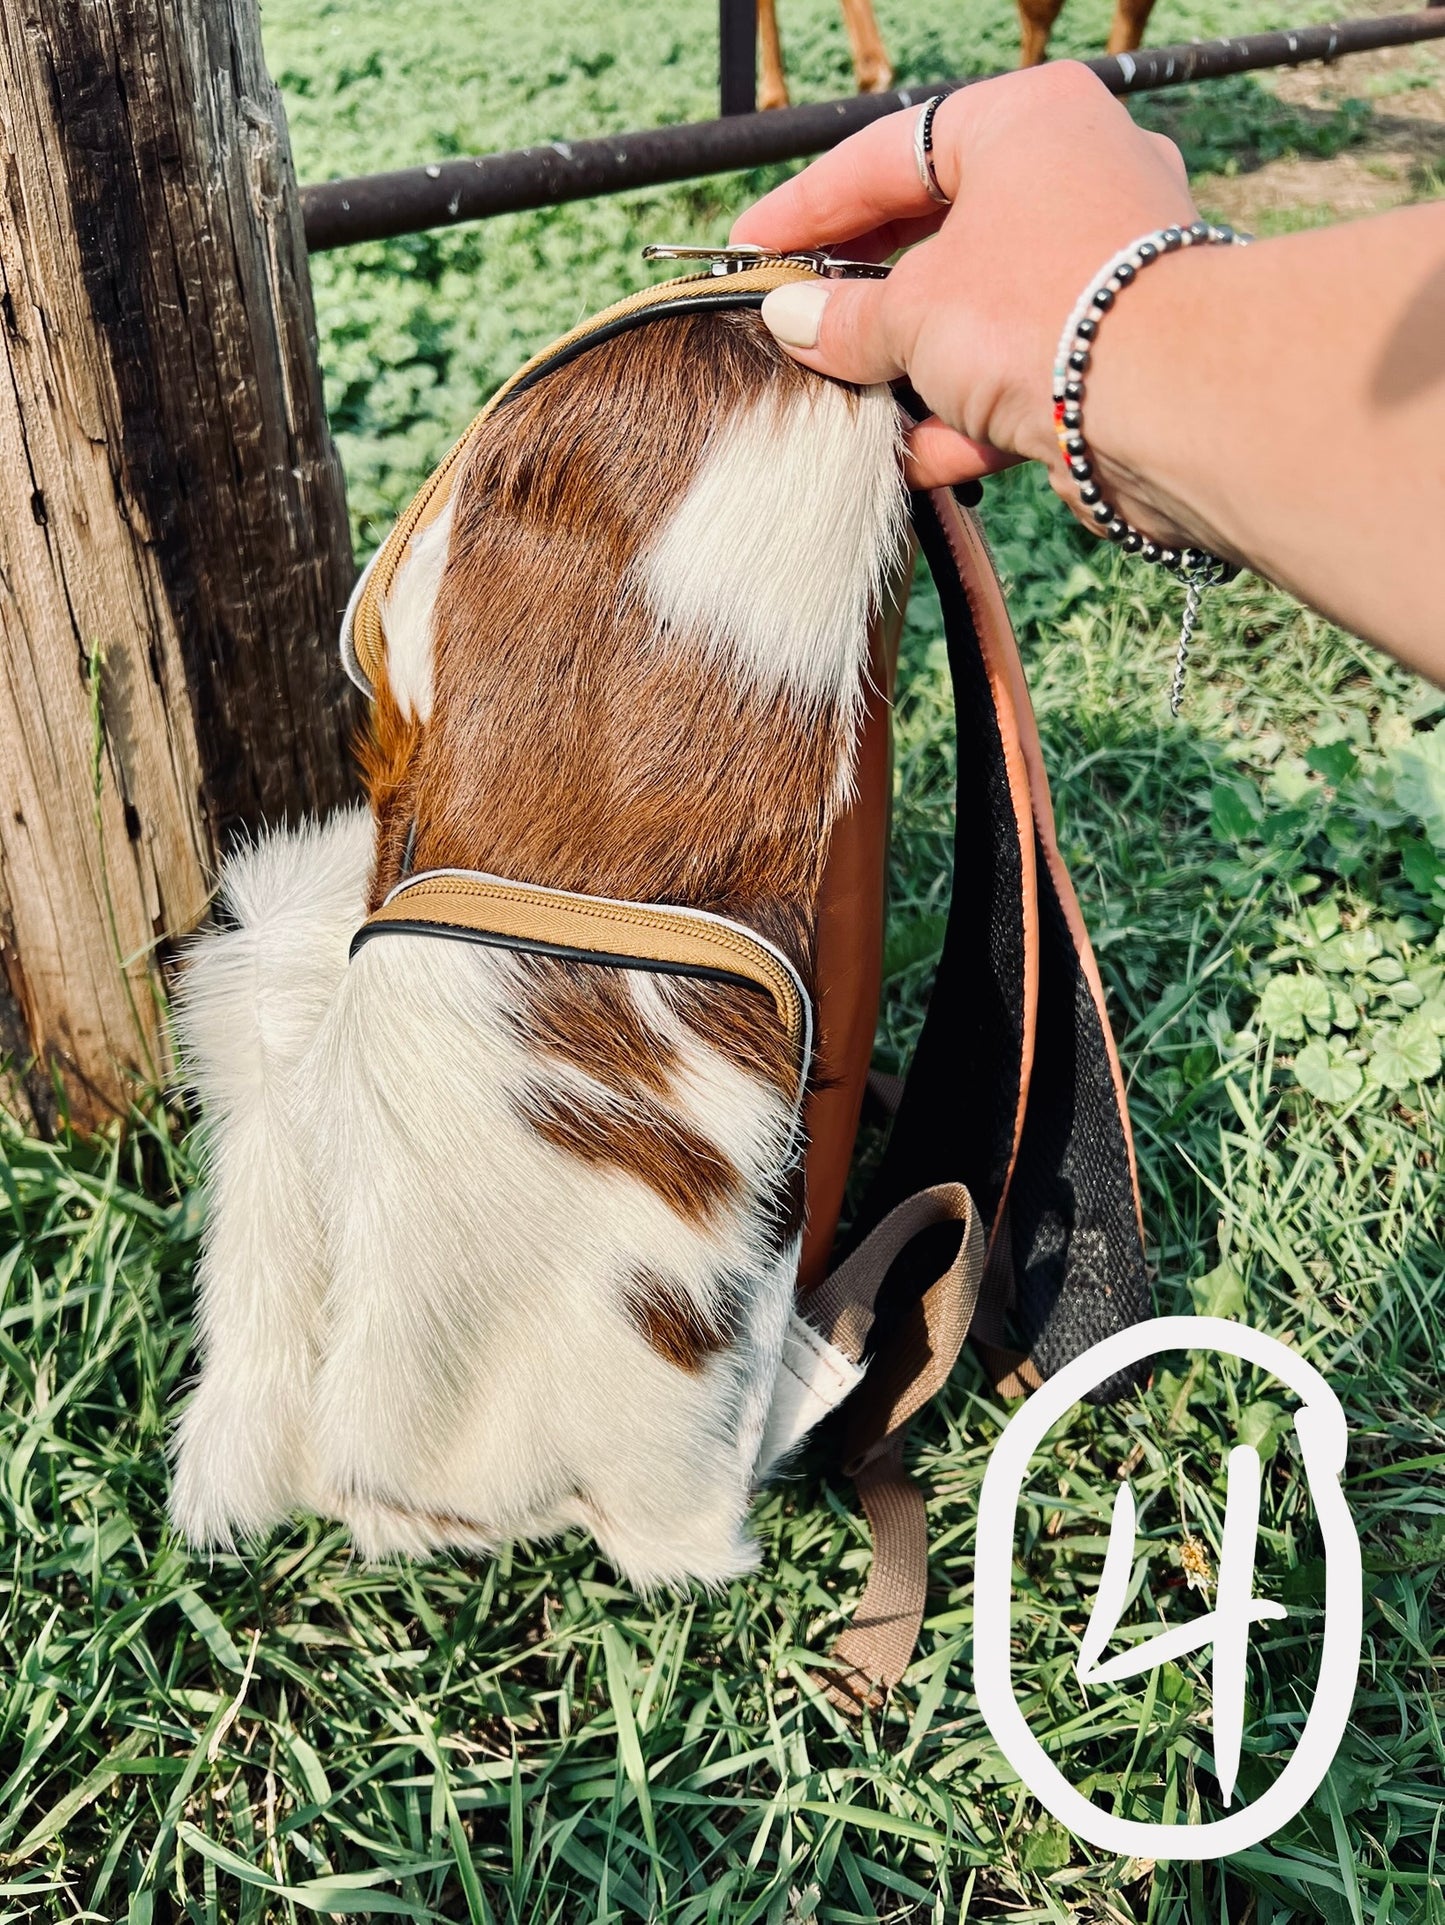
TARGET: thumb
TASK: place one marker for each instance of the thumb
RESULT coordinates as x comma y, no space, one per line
843,328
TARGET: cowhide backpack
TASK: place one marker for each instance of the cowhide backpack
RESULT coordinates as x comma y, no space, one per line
531,1087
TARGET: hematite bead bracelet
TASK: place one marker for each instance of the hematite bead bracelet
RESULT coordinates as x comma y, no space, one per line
1196,567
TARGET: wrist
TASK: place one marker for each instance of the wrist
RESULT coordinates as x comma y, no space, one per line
1152,365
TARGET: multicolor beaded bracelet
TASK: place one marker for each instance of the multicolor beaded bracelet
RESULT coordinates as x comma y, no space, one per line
1196,567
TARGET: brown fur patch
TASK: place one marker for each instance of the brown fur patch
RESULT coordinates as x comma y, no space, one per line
387,755
586,1016
569,743
448,1526
674,1160
676,1327
740,1027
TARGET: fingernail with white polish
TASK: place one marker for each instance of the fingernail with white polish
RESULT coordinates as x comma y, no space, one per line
793,313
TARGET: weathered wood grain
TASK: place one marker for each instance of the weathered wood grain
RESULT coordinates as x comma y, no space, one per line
173,543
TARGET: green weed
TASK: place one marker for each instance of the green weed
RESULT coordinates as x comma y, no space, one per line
1235,124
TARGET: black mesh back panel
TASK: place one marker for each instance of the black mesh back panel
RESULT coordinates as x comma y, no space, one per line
1079,1266
1079,1269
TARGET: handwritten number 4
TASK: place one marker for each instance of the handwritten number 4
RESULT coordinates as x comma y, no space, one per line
1226,1627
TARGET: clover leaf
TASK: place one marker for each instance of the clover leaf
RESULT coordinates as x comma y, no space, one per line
1290,1002
1405,1053
1418,766
1327,1073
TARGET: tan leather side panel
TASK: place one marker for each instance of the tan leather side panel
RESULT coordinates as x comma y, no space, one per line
850,956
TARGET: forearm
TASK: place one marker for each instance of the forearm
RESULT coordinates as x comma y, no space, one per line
1285,404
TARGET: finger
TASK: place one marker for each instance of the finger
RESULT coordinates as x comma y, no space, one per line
867,182
849,329
1167,148
937,456
890,239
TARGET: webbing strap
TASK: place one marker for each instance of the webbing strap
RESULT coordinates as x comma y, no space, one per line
874,1651
1013,1373
925,1347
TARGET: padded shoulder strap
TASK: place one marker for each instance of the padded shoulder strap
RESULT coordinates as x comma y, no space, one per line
1014,1100
1015,1088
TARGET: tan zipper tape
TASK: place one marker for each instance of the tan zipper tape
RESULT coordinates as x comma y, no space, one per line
367,639
650,932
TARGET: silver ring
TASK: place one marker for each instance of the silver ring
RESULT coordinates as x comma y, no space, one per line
923,150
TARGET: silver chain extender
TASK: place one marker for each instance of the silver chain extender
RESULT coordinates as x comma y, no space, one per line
1198,568
1193,596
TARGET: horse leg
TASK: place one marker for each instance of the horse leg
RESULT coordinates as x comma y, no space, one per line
1131,17
1036,20
773,88
871,64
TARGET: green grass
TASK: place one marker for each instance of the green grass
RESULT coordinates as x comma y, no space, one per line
289,1734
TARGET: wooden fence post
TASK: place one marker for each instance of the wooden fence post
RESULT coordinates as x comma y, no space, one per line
173,541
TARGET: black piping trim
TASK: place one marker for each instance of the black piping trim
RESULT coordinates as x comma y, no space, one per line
526,945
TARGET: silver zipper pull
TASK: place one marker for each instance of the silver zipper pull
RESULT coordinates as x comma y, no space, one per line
734,260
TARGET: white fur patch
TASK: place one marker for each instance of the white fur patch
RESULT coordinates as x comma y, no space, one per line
251,1002
407,616
813,1378
479,1361
413,1308
787,540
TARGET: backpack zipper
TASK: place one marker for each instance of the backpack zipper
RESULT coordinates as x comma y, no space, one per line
736,259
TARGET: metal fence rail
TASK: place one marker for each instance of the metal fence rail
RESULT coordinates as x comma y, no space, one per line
374,206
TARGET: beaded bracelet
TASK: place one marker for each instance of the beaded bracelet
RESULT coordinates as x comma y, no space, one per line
1196,567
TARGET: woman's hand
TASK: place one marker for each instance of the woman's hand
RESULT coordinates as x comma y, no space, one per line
1048,177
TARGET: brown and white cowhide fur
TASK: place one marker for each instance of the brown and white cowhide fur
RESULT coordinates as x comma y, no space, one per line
501,1244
